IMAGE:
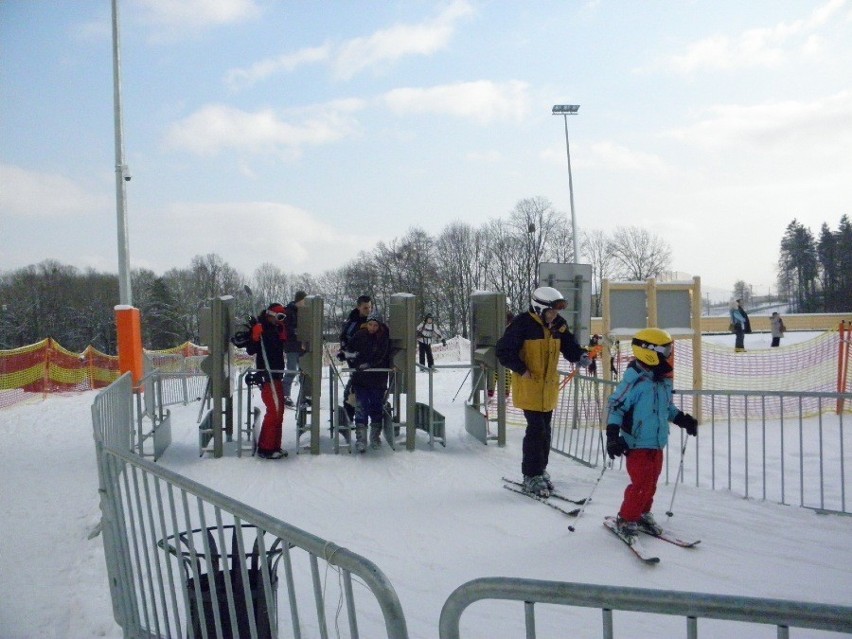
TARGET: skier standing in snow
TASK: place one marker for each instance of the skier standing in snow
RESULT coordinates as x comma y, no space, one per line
356,319
293,347
530,348
640,410
369,348
267,344
778,329
740,323
428,334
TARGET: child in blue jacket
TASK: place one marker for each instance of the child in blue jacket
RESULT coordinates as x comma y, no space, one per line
640,410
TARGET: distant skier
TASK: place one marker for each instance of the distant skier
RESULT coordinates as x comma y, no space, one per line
530,347
741,325
640,410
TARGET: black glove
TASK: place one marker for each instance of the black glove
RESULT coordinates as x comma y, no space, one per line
615,445
687,422
341,356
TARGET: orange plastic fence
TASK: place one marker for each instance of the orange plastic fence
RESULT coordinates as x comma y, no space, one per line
47,367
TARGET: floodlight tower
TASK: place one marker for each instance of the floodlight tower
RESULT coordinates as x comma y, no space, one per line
565,110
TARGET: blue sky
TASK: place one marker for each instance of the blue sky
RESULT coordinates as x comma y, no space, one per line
299,133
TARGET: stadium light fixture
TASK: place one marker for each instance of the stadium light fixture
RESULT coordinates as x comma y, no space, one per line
565,110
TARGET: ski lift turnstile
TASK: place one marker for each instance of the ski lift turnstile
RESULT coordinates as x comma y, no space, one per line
488,321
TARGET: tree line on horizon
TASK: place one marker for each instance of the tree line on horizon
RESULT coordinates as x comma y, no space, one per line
75,307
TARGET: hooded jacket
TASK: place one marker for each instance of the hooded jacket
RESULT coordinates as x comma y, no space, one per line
529,345
642,407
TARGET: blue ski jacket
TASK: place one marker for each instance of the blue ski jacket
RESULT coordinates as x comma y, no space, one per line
642,407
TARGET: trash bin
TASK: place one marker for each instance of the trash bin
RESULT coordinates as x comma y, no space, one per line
202,613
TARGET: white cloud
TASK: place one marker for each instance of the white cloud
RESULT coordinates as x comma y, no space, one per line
198,14
241,78
398,41
482,101
216,127
760,47
314,241
45,195
358,54
823,123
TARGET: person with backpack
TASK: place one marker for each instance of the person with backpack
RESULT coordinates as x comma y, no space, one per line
778,329
369,348
268,337
428,334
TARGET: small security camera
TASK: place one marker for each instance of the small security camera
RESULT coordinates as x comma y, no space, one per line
125,173
127,178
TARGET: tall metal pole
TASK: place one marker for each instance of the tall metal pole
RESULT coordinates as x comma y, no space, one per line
571,193
565,110
122,175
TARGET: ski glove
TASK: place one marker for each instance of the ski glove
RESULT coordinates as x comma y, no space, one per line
341,356
687,422
615,445
256,332
585,360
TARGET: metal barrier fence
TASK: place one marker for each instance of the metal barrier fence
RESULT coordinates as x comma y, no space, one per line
184,560
755,443
690,605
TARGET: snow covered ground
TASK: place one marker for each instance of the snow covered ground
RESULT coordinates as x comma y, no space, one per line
430,519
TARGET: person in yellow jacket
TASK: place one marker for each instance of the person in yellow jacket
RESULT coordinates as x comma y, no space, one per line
530,348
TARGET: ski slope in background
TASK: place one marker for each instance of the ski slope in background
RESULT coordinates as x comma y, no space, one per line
430,519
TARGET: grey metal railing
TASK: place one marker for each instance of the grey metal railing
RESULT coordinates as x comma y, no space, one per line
784,446
691,606
180,564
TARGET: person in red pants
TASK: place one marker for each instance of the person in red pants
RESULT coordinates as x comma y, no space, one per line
640,410
267,345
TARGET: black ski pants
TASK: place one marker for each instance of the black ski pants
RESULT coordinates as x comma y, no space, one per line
536,446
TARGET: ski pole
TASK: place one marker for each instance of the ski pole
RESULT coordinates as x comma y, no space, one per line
598,481
589,498
462,383
669,512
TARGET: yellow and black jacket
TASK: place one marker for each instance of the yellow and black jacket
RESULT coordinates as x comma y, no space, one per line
529,345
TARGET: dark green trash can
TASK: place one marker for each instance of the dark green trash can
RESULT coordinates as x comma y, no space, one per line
201,612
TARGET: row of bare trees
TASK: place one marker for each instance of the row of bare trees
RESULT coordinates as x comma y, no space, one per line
75,308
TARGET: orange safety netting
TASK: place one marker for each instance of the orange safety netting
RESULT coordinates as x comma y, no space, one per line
47,367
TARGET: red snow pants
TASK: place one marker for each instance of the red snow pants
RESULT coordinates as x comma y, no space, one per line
273,421
644,466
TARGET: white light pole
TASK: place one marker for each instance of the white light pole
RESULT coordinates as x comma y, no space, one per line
122,175
565,110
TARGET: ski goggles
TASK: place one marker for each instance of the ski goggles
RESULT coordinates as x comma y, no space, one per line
558,305
665,349
279,316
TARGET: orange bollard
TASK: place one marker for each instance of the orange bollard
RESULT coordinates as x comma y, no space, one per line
128,321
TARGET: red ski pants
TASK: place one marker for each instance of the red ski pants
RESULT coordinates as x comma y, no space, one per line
273,420
644,466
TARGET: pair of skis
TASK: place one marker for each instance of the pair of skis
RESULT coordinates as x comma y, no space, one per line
637,546
634,543
518,487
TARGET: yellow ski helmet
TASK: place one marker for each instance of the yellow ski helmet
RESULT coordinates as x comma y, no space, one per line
650,343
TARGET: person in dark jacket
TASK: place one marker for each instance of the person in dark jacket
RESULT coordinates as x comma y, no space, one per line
741,325
267,345
293,347
530,348
369,348
357,318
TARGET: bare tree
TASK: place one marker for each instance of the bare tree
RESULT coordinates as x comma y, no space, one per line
598,248
640,254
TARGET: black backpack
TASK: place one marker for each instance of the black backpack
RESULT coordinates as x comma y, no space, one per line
242,336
